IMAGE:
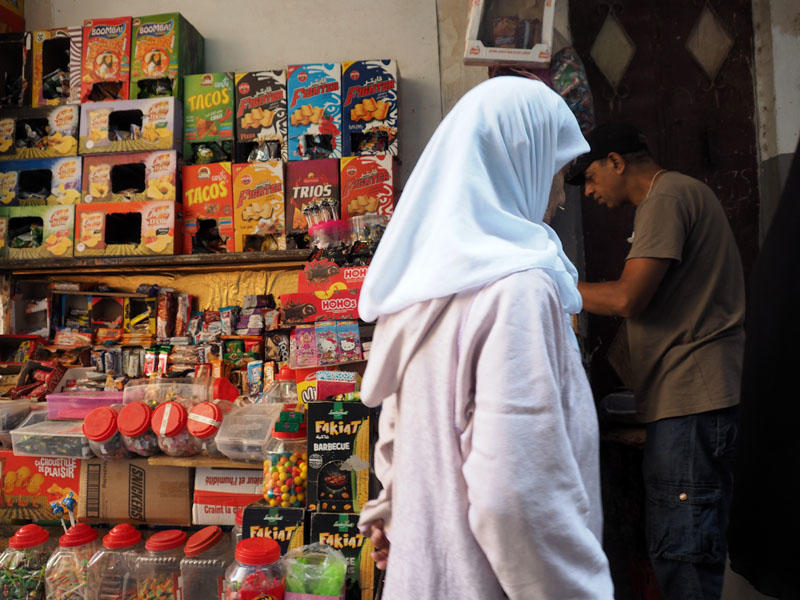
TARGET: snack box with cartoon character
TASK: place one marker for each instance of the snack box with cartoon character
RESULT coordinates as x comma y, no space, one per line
130,126
15,66
38,182
135,176
312,194
261,115
340,531
208,209
40,232
106,60
208,117
367,185
165,48
369,107
126,229
43,132
284,525
56,77
258,206
315,111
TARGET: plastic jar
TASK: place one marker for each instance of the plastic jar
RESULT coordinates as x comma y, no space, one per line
207,555
22,564
283,389
286,468
110,572
65,575
236,532
169,423
204,422
105,440
158,570
257,571
134,425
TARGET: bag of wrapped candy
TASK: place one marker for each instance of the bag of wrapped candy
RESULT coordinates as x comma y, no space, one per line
315,571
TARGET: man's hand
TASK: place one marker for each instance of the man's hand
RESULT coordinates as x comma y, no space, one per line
630,294
381,544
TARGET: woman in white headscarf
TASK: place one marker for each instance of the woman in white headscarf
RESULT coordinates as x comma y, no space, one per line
488,448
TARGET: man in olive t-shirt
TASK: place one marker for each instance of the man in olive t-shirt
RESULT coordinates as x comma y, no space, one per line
682,292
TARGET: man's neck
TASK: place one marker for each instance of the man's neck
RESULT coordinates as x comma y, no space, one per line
642,181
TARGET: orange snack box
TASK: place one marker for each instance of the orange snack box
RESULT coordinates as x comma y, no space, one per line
106,59
208,209
259,206
126,228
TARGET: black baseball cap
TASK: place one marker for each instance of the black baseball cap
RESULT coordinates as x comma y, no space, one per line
622,138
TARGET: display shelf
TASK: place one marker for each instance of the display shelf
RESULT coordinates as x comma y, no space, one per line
163,460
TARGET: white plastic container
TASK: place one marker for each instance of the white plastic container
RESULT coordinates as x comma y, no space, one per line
51,438
207,555
22,563
169,423
66,572
158,570
187,391
246,430
257,571
110,572
105,440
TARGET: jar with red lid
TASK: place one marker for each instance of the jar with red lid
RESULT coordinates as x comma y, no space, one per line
110,572
158,570
169,423
257,571
22,563
204,422
105,440
207,555
65,575
134,425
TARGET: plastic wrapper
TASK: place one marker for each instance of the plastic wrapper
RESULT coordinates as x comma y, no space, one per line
182,313
569,79
165,314
315,570
228,316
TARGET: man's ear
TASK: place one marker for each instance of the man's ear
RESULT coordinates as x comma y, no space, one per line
617,162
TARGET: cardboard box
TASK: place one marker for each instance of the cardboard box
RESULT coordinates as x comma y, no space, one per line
261,113
208,209
338,456
132,491
218,493
165,48
310,185
258,206
322,277
134,176
308,307
126,229
56,77
45,132
208,113
340,531
369,108
314,111
131,125
284,525
56,223
106,59
16,68
46,181
31,483
367,185
12,16
3,232
140,315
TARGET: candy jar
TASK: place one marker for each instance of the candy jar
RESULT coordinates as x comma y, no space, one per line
283,389
158,570
236,532
203,423
207,555
105,440
286,469
257,571
169,423
65,574
110,572
134,425
22,564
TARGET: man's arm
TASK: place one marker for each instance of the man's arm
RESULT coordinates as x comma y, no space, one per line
630,294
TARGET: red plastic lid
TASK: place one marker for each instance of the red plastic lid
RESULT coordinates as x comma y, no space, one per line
122,536
28,536
239,515
100,424
166,540
257,551
205,420
169,419
206,538
285,374
288,435
78,535
134,419
222,389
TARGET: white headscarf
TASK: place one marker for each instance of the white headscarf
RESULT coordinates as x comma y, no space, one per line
471,212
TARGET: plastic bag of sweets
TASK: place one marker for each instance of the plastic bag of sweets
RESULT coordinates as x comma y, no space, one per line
101,429
66,572
110,572
137,434
158,570
315,571
257,571
22,564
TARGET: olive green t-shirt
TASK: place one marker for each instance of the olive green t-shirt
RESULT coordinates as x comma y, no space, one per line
686,347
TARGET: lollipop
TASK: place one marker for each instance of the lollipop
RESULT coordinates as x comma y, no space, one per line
69,503
58,511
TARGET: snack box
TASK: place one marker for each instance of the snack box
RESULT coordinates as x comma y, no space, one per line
126,229
76,405
165,48
40,232
208,113
314,111
44,132
258,206
56,77
51,438
106,62
130,125
311,186
15,66
208,209
340,531
369,107
12,16
308,307
284,525
139,315
261,114
48,181
134,176
367,185
3,232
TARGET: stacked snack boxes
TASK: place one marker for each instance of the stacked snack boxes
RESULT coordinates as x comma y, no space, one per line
106,59
15,66
369,107
130,176
208,209
310,185
56,77
43,181
261,115
367,185
315,109
208,117
44,132
40,232
259,206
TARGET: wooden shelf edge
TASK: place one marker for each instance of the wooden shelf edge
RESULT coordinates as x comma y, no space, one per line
201,461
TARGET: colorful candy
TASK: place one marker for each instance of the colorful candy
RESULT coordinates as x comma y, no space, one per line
158,587
285,475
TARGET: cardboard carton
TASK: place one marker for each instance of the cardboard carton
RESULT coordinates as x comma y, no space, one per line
45,132
16,68
208,209
134,176
314,111
4,234
208,113
369,107
56,77
368,184
310,186
40,232
261,114
340,531
139,315
218,493
48,181
258,206
284,525
106,59
12,16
